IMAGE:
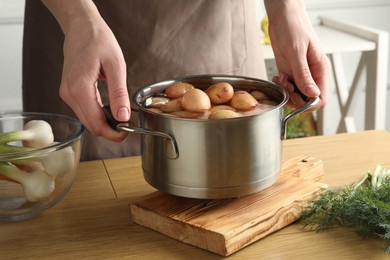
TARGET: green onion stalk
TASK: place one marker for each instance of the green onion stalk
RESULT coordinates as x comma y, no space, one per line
36,174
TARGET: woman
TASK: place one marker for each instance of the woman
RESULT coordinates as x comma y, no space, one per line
127,44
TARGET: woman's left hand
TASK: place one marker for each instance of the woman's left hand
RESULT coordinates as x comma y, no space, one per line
298,54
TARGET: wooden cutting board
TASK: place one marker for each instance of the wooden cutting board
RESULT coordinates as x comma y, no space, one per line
225,226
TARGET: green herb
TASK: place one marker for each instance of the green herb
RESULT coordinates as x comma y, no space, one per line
301,125
364,207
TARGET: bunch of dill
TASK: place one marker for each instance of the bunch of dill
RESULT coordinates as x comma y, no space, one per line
364,207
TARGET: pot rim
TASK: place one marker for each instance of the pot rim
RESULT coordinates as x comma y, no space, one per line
138,98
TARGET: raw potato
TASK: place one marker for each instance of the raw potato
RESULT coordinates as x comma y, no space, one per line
195,100
269,102
155,110
259,109
186,114
178,89
220,114
259,96
172,106
222,107
220,93
242,100
204,115
218,101
157,101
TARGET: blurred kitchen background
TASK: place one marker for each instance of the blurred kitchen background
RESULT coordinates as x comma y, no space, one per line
368,18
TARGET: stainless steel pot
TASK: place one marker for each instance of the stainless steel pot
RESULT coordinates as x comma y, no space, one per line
212,159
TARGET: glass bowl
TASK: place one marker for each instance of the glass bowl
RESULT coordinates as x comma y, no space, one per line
33,178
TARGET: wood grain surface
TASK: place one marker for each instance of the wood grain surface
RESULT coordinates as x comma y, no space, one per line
225,226
93,221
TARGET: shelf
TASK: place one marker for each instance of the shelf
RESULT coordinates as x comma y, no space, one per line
333,41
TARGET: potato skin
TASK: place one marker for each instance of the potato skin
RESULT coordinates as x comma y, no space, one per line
157,102
220,93
242,100
269,102
218,101
178,89
222,107
186,114
195,100
221,114
259,95
155,110
172,106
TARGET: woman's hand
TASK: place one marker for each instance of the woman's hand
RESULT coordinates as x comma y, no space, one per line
298,54
91,52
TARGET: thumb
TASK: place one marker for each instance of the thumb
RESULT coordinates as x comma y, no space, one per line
303,77
117,91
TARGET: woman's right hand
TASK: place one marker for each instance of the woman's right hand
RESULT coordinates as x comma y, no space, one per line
91,53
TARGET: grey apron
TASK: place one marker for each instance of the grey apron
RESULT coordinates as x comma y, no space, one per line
160,39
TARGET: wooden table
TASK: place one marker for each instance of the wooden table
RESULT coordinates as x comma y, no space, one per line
93,220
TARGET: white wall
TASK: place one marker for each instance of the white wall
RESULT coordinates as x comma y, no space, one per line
372,13
11,33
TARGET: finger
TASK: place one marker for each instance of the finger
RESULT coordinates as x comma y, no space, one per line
101,76
115,73
295,99
303,78
282,80
321,78
83,101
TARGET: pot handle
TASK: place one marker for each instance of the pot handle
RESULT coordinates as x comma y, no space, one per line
311,102
171,150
